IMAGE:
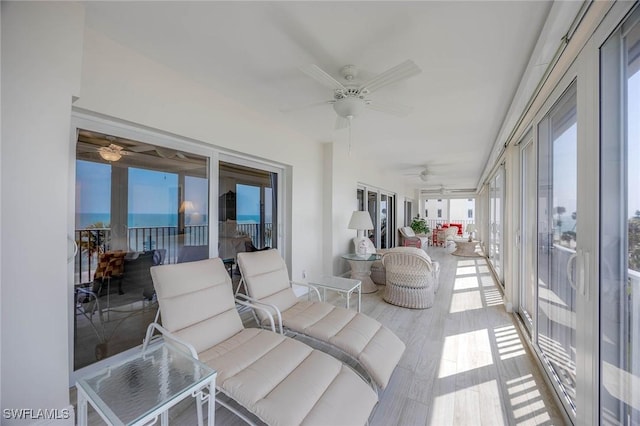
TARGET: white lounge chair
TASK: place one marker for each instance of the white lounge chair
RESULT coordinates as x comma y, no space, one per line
278,379
376,348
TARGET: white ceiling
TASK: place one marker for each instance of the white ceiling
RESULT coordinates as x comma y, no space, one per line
472,55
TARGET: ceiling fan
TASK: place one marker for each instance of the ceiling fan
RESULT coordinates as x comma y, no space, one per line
426,172
112,148
112,152
350,98
443,190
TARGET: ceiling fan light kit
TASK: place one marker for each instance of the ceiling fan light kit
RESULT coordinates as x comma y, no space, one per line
349,107
112,152
350,99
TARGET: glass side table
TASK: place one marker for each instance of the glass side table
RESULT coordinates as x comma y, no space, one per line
339,284
361,269
139,389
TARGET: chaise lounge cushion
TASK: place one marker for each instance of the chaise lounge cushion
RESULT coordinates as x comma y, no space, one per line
376,348
280,380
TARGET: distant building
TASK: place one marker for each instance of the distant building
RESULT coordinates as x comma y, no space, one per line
450,210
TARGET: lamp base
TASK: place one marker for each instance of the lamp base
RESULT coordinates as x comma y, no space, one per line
363,247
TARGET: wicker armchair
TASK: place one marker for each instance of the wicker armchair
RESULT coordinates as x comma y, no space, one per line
411,280
410,239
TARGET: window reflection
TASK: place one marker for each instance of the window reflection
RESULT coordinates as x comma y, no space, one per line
620,227
557,216
146,206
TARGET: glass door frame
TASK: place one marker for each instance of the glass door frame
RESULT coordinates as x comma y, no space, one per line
496,230
391,214
281,202
559,275
615,273
80,120
527,143
110,126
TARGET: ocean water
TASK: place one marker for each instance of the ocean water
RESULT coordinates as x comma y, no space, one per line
84,220
248,218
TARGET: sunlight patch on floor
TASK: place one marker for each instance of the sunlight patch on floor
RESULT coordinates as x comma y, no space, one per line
465,301
465,270
468,405
442,409
508,342
483,269
533,418
525,397
464,352
464,283
492,297
519,385
486,280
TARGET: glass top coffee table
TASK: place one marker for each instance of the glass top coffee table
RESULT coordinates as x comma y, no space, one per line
339,284
139,389
361,269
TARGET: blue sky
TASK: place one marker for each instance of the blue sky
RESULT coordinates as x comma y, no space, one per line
247,200
93,187
152,192
149,191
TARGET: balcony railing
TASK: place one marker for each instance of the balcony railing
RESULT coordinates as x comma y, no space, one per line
433,223
254,231
92,241
98,240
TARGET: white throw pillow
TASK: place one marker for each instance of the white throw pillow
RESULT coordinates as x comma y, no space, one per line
408,231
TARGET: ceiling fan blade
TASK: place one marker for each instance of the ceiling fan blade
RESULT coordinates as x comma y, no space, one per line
166,152
141,148
341,123
321,77
390,108
405,70
300,107
87,147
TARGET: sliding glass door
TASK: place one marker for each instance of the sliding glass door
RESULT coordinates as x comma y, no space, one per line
247,209
137,205
528,242
620,227
556,254
496,200
381,206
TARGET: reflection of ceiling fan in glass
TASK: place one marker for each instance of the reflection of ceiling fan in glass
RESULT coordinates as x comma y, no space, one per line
350,98
112,148
112,152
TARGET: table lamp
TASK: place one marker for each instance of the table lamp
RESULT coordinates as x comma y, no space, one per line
361,221
471,228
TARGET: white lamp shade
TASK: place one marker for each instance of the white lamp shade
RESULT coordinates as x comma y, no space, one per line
471,227
360,220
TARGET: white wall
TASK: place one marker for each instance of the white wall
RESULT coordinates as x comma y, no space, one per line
341,180
41,49
344,170
48,58
122,84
